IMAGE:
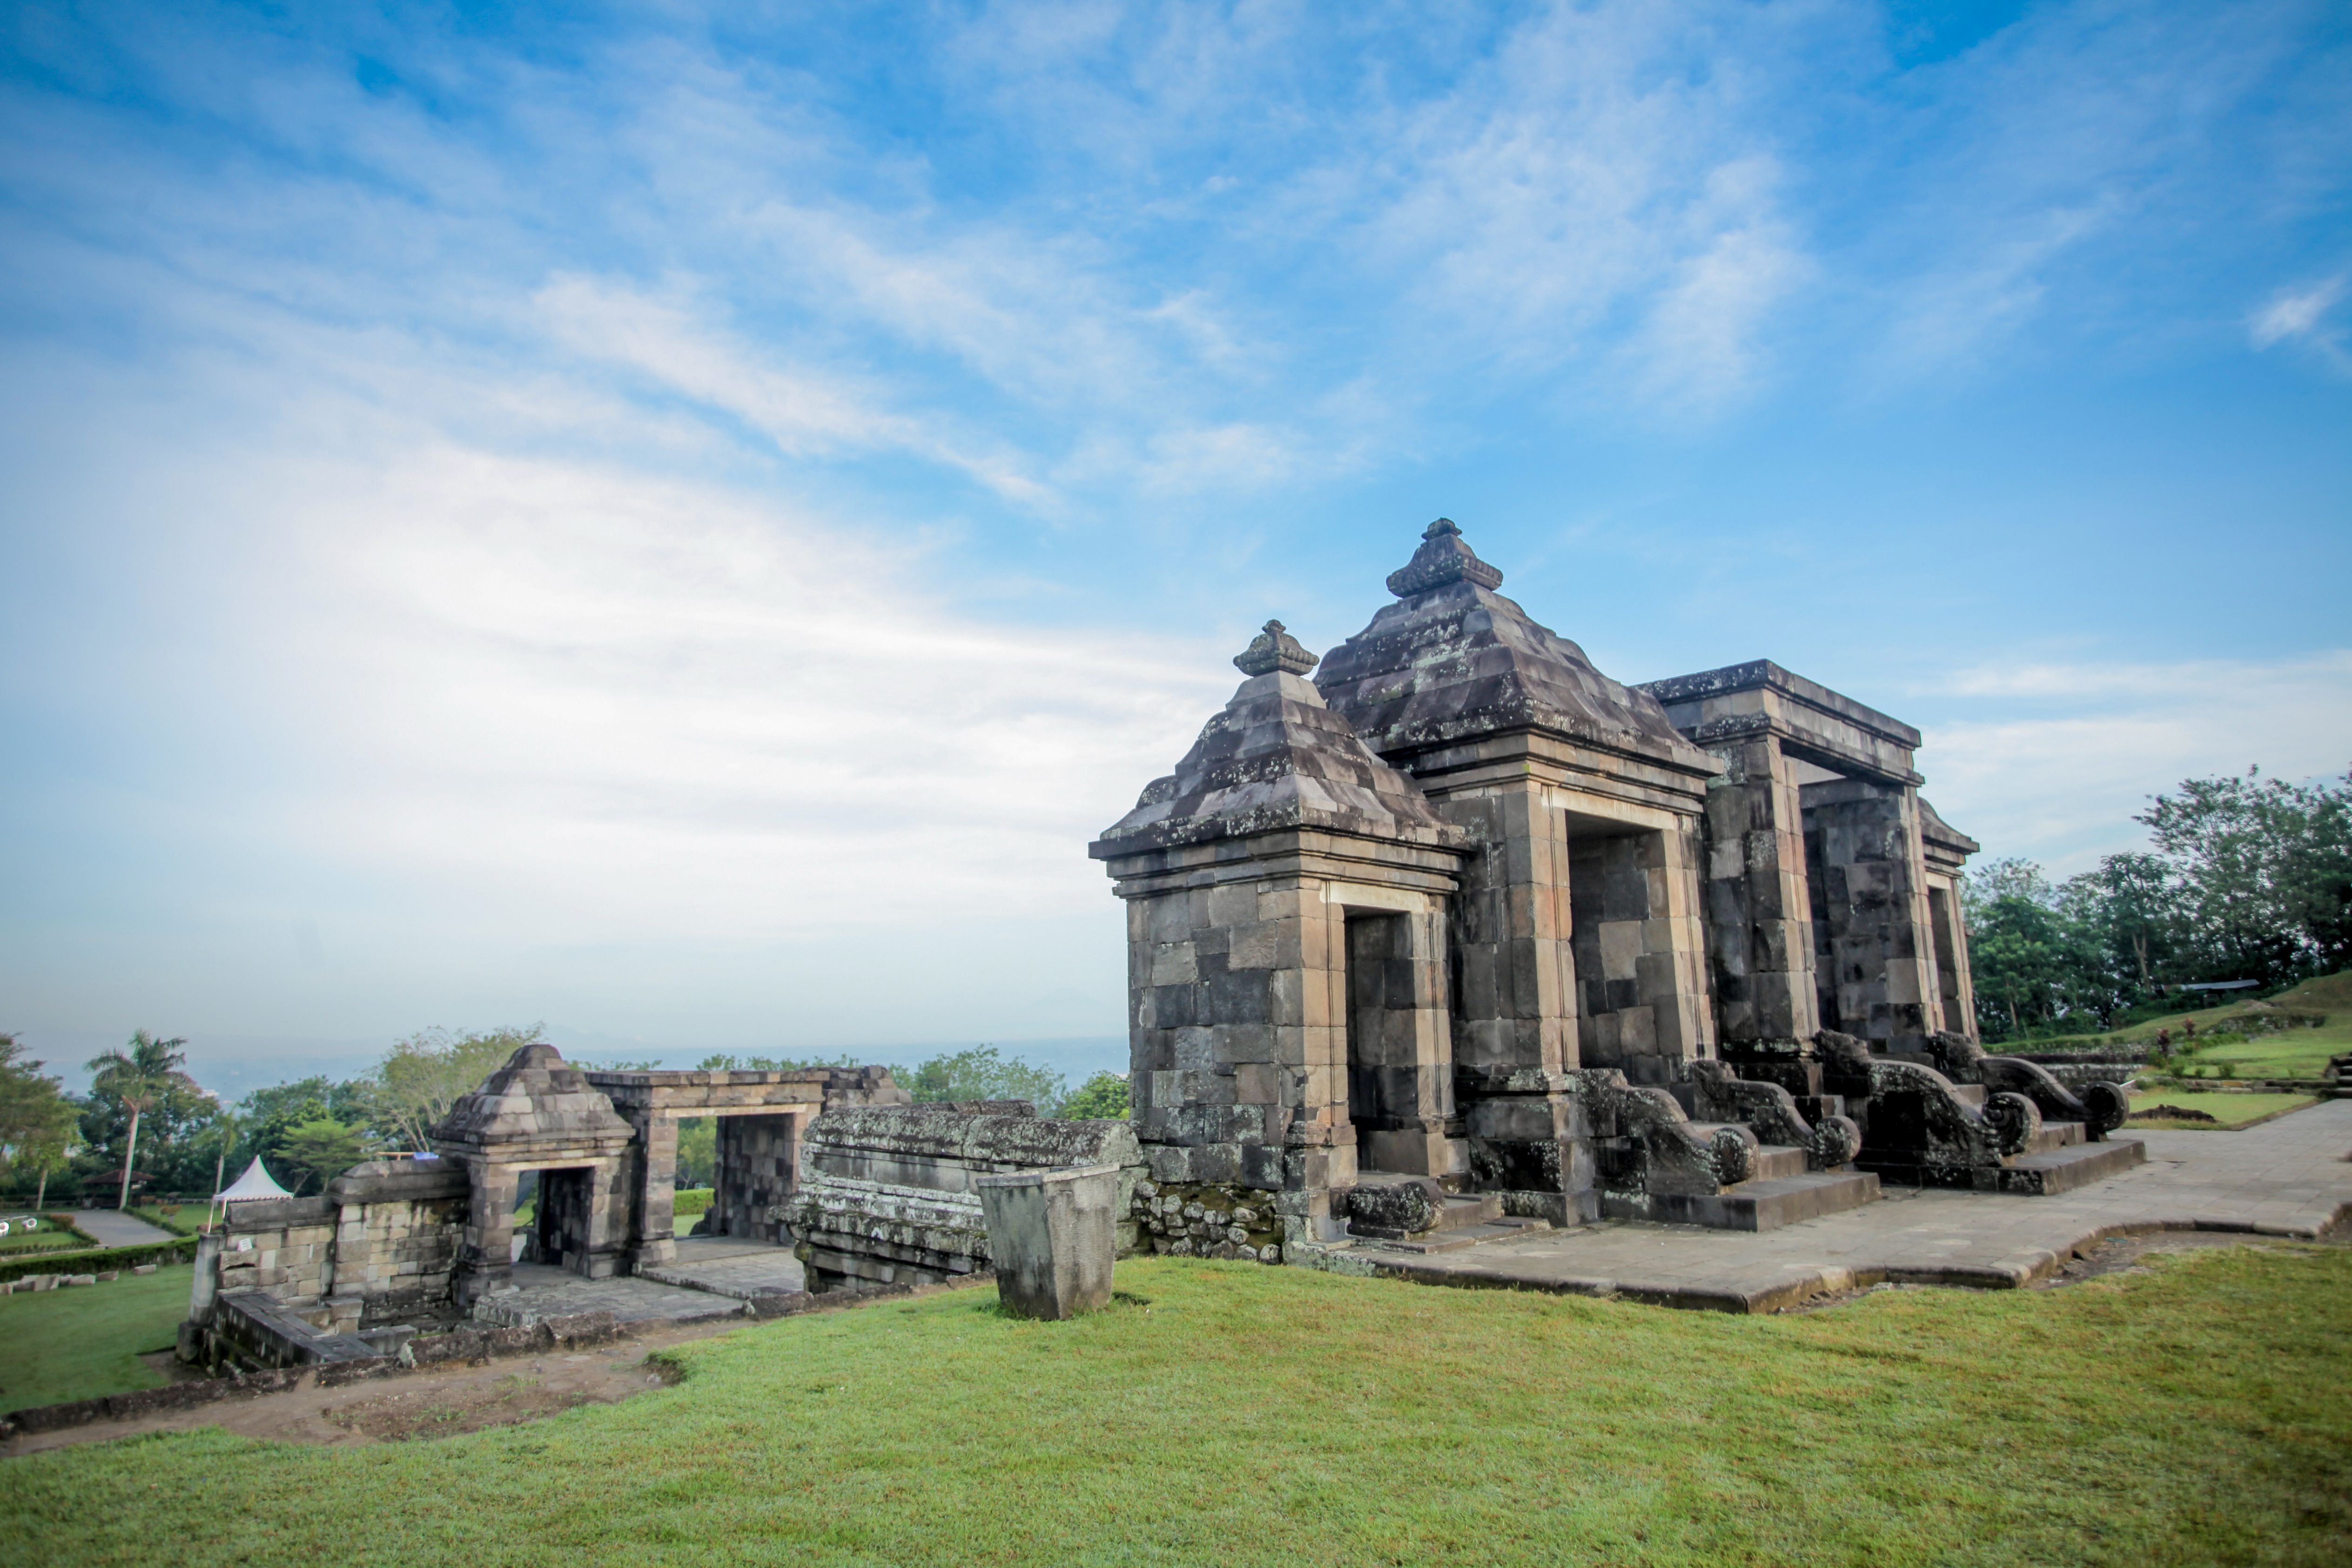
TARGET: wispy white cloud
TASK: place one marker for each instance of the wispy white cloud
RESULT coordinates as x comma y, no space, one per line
2051,758
2299,313
804,412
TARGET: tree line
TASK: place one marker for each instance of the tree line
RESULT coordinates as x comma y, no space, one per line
2245,878
145,1127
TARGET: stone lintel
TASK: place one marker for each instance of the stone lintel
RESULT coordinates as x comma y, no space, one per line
1721,707
1439,769
1297,856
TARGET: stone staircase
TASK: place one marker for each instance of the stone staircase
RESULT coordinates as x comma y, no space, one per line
1461,1219
1782,1192
2060,1159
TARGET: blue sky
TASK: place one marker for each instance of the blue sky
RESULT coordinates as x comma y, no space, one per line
680,521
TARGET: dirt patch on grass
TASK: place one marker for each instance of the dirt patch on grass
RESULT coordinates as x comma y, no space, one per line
439,1402
409,1411
2128,1254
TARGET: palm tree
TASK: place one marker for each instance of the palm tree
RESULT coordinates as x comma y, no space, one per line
224,1128
139,1077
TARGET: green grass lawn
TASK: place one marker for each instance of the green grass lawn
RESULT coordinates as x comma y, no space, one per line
84,1341
2229,1110
56,1234
2191,1413
180,1218
2292,1053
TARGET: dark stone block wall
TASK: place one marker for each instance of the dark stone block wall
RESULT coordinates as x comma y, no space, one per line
1874,956
755,1177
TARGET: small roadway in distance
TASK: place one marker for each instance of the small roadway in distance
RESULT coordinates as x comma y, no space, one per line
112,1228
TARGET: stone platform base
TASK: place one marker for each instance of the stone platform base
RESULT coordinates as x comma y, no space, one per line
2044,1174
727,1267
2289,1177
1765,1203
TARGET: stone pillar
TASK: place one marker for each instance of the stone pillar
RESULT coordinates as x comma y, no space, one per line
1951,932
1758,909
1516,1008
1236,1028
656,1204
486,1261
206,1284
1052,1239
1874,947
600,1257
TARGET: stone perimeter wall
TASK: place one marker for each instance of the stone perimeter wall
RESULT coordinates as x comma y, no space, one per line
385,1240
1200,1220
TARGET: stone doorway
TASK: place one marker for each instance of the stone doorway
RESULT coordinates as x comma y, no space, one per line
1400,1062
560,1224
1621,943
756,1172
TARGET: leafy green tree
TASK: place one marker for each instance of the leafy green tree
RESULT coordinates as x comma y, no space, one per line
2036,957
2265,872
36,1120
981,1073
322,1150
422,1076
268,1117
1102,1097
143,1084
2133,902
698,1151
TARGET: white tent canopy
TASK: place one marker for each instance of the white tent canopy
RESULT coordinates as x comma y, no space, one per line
254,1184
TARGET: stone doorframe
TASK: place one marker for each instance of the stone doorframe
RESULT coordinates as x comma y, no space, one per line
491,1217
654,1102
1637,951
1396,1048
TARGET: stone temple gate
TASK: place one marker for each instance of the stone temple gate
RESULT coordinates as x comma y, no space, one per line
1466,916
604,1144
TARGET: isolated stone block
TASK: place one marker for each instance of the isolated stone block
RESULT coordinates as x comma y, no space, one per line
1051,1236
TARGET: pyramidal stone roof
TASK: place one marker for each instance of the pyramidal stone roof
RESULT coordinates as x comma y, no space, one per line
537,1104
1276,759
1452,660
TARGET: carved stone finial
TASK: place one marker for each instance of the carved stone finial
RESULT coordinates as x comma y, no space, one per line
1442,558
1275,649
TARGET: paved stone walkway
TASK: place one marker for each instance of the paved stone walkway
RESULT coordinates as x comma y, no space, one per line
2288,1177
112,1228
729,1268
550,1293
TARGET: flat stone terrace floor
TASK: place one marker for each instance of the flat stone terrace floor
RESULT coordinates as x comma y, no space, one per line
712,1276
727,1267
2288,1177
542,1291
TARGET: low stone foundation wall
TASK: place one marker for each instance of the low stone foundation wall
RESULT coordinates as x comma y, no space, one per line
2074,1074
252,1328
1207,1219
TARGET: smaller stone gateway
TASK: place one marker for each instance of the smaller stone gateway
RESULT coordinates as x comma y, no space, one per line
394,1247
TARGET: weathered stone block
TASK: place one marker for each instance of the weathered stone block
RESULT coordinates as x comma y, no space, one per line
1052,1239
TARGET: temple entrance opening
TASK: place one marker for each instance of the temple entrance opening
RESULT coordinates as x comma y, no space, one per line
1400,1055
757,1169
559,1222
